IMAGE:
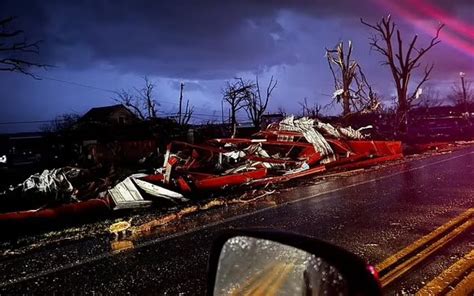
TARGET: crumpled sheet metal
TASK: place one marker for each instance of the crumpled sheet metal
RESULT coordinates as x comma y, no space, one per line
126,194
328,128
353,134
306,127
287,150
55,181
342,132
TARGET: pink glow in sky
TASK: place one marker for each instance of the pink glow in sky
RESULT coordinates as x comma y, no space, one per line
456,33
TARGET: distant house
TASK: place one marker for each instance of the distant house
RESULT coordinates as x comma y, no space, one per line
116,114
115,134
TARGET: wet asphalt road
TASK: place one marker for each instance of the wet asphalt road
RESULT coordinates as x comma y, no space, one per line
373,214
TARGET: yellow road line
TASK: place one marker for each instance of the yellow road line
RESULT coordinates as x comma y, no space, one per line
422,241
465,287
440,284
253,279
259,287
272,287
405,266
284,275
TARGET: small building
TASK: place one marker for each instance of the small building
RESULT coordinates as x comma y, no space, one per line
116,134
115,114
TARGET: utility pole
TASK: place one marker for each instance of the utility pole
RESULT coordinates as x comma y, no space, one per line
180,102
464,95
222,111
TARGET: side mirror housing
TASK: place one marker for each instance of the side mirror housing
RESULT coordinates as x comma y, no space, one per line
260,262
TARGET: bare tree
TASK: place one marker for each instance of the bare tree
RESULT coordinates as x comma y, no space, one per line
429,98
353,91
462,94
281,110
368,100
402,60
236,94
310,111
129,100
257,103
61,123
14,49
142,102
347,71
146,95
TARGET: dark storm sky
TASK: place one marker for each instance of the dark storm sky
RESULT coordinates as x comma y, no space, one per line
111,45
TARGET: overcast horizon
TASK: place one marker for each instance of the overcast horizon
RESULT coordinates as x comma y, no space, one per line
98,47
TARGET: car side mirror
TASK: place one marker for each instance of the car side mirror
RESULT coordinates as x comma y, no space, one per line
277,263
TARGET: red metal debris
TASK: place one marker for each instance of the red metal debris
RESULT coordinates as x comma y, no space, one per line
221,182
65,213
274,155
293,149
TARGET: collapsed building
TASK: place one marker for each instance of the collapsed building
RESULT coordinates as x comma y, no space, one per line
284,151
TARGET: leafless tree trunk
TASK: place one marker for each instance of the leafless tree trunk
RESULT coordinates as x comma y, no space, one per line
256,104
127,99
236,94
188,112
347,69
142,102
146,95
369,100
402,64
13,49
462,94
353,91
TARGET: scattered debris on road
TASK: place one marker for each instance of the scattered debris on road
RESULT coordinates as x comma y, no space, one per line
284,151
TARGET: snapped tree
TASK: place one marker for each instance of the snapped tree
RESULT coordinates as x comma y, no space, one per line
256,104
352,89
184,116
16,51
402,60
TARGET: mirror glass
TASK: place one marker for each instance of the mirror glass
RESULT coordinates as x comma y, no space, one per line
253,266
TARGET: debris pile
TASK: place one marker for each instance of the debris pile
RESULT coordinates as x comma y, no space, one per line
53,187
290,149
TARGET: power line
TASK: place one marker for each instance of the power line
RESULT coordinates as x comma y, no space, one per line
108,90
170,114
78,84
27,122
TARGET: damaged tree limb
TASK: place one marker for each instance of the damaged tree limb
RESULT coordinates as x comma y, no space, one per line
388,41
14,47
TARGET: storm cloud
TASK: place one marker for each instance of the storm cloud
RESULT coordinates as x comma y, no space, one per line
186,39
207,42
